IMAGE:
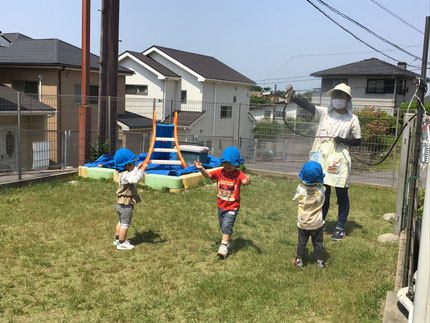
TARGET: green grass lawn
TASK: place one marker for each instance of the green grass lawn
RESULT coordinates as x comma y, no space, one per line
58,263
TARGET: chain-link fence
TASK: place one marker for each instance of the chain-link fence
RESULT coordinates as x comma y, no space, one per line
40,133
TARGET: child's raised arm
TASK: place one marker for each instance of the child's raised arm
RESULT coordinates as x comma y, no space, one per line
133,177
202,170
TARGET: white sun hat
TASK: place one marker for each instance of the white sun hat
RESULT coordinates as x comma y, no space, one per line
341,87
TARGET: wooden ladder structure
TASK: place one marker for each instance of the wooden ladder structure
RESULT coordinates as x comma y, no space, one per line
154,139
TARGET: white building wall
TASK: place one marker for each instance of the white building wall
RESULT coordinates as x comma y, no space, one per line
189,82
142,104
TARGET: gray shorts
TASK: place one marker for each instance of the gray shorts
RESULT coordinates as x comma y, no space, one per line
226,220
125,213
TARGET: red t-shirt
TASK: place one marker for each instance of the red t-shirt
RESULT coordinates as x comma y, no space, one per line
228,188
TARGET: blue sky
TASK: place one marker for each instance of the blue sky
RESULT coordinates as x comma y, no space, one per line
265,40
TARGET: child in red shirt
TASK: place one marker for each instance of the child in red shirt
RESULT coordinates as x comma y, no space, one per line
229,180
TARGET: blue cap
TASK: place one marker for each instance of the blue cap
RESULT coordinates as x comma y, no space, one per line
122,157
312,173
232,156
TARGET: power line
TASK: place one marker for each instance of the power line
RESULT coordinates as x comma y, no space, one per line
328,54
367,29
352,34
396,16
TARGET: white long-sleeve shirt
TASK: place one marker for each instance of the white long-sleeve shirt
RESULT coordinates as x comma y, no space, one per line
127,189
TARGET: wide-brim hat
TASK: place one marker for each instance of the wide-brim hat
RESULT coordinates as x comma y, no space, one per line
123,157
232,156
312,173
341,87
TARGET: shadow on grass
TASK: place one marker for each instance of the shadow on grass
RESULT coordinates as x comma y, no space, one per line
147,237
349,226
308,258
241,243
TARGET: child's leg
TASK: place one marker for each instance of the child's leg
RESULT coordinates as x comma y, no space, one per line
303,237
226,220
126,213
317,241
118,226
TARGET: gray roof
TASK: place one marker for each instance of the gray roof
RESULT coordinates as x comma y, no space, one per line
25,51
371,66
206,66
135,121
154,64
9,99
185,118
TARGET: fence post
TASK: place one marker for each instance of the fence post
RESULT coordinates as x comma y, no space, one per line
395,136
404,159
18,111
109,125
285,150
238,126
255,149
171,110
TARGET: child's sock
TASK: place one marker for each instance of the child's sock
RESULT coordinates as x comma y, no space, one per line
225,242
117,237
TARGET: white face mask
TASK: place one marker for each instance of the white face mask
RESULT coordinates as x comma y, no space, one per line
338,103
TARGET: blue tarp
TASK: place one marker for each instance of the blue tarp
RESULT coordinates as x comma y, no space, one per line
106,161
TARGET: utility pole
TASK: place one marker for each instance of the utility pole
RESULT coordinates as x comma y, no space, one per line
413,190
84,110
103,65
112,72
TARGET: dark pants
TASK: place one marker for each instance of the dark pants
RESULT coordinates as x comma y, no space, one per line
342,202
317,241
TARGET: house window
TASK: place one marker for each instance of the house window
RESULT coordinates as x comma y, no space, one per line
380,86
226,112
94,94
136,89
328,84
267,114
184,96
401,87
234,99
10,144
279,114
25,87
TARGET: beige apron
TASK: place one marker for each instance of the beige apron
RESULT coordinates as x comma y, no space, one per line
334,159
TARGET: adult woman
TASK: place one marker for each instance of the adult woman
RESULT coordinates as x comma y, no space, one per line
338,128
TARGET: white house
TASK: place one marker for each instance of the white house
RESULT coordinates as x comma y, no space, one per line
266,112
372,83
215,96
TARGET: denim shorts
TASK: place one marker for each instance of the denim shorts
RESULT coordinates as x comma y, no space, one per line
226,220
125,213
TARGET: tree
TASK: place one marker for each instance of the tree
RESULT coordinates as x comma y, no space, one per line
256,88
260,99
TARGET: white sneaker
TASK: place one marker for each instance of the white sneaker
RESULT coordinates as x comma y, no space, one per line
126,245
222,251
116,241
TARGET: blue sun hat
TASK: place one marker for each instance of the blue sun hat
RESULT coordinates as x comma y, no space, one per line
232,156
312,173
122,157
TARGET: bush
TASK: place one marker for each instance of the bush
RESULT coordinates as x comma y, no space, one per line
98,149
375,126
